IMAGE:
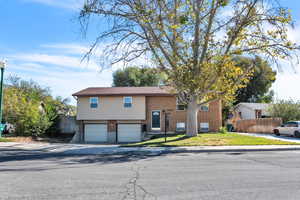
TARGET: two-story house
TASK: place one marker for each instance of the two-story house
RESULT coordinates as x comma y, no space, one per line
125,114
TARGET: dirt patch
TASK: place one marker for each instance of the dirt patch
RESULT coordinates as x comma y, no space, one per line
38,140
23,139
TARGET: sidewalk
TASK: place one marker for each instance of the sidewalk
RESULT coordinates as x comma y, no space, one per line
88,149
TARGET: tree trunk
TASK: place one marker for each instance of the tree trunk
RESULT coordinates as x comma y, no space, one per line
192,118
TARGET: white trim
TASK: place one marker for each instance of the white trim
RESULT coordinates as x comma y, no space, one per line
182,128
177,104
205,105
130,99
156,129
93,102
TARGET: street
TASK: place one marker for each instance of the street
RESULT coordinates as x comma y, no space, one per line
207,176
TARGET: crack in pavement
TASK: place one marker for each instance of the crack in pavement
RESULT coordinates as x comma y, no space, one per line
133,188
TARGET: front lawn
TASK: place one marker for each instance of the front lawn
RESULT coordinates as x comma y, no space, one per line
5,140
210,139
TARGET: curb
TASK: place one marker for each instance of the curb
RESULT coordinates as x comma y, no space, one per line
44,154
155,152
229,150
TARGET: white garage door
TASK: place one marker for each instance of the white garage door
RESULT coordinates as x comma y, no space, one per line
129,133
95,133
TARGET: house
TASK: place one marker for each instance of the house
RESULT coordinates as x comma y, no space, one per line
251,110
125,114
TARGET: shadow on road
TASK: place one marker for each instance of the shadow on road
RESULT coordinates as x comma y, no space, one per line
62,160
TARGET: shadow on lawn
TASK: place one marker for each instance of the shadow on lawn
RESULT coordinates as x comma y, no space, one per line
161,143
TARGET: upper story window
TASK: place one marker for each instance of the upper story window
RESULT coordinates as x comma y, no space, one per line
204,108
94,102
179,105
127,102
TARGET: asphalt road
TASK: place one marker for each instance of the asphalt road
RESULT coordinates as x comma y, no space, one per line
207,176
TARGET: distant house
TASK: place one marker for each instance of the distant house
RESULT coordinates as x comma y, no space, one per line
124,114
251,110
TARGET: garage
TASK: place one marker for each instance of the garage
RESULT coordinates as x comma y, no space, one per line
95,133
129,132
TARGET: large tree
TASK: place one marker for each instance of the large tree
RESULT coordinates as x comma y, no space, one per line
193,41
137,76
257,89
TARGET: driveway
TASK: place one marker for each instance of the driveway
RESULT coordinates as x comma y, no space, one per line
274,137
180,176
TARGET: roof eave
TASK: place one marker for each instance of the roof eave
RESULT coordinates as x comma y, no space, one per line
90,95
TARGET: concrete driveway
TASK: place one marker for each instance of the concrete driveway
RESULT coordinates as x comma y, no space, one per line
274,137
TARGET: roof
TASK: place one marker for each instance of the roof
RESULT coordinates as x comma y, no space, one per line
117,91
254,106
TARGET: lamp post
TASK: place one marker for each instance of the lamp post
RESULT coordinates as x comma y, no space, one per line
2,66
166,124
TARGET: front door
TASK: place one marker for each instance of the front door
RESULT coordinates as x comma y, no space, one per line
155,119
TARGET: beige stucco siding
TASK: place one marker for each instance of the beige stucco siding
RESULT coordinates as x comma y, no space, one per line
111,108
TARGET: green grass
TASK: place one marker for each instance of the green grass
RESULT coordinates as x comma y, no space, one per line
210,139
4,140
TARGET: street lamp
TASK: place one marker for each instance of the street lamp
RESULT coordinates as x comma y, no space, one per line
2,66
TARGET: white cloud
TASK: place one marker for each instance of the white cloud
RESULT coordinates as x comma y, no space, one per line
58,60
62,82
69,48
60,68
287,79
286,86
66,4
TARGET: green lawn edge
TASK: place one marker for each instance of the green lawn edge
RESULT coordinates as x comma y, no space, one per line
209,139
4,140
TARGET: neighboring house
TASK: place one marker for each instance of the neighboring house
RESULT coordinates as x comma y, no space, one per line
251,110
125,114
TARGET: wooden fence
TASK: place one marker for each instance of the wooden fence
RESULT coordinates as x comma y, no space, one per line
67,124
263,125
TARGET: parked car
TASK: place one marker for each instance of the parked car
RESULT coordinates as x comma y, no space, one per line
291,128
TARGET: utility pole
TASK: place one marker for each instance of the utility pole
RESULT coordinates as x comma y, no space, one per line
2,125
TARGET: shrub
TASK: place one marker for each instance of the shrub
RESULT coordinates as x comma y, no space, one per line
31,109
287,110
223,130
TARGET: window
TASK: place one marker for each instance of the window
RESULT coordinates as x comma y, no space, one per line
291,124
204,127
94,102
258,114
204,108
179,105
180,126
240,114
127,102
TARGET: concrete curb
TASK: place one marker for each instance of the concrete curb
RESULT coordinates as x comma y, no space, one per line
109,150
230,150
170,150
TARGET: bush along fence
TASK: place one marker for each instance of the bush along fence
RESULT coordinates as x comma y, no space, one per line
263,125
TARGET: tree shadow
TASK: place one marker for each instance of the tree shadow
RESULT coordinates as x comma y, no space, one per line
26,162
161,143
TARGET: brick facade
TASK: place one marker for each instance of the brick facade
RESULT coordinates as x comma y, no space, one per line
168,103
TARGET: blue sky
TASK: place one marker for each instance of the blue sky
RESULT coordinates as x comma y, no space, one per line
41,40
